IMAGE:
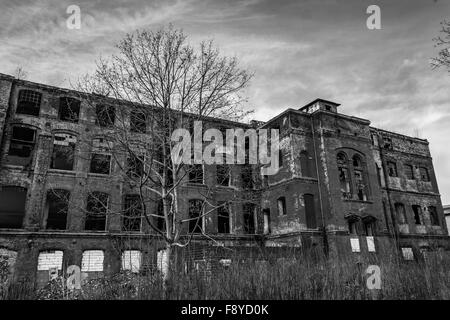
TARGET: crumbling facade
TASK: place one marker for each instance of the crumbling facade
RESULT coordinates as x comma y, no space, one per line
343,187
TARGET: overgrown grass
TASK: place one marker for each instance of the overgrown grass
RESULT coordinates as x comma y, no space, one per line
283,279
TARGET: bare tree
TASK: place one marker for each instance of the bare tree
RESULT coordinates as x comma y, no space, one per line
443,43
20,73
157,83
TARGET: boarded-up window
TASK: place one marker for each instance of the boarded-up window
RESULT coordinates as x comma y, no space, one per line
195,216
249,218
105,115
57,208
131,220
69,109
92,261
223,218
131,260
50,259
21,146
310,211
409,171
29,102
407,253
63,151
97,206
12,207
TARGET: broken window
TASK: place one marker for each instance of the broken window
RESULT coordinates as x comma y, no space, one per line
360,178
417,214
223,218
131,220
21,146
369,227
12,206
92,261
138,122
344,177
310,211
29,102
195,216
392,169
132,260
409,172
135,167
247,176
69,109
249,218
281,203
305,164
280,158
63,151
97,207
424,176
101,158
105,115
223,175
434,218
57,208
196,173
160,220
400,213
266,214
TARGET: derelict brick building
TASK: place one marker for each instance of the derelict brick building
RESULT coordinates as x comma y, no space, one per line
343,187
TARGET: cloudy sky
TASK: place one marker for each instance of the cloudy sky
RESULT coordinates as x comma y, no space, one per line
299,50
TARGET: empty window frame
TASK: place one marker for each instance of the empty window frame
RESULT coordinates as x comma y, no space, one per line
92,261
360,178
305,164
21,146
417,210
50,259
135,166
424,176
96,211
247,176
195,215
353,227
223,175
310,211
63,151
160,220
138,122
29,102
267,222
223,218
281,204
195,173
105,115
249,218
69,109
133,211
392,169
400,213
57,208
409,171
100,158
344,176
434,218
131,260
12,206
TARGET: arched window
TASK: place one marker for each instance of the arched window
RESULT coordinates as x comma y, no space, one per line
344,176
360,178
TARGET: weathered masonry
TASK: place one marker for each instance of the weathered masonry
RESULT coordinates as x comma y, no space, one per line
344,187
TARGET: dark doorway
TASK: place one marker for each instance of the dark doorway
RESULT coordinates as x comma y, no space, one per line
12,207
